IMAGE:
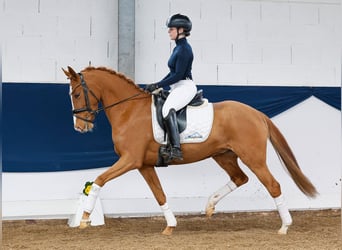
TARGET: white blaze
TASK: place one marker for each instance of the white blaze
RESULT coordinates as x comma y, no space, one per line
72,104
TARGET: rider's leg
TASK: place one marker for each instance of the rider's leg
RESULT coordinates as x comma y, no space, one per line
171,125
180,95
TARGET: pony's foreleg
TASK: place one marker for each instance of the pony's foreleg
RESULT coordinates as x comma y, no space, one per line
153,182
123,165
284,213
170,219
217,196
89,205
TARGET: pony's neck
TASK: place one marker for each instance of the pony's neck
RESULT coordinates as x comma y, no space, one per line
113,86
117,87
119,93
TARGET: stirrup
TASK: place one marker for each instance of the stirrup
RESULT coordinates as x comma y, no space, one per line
163,157
176,153
164,151
167,153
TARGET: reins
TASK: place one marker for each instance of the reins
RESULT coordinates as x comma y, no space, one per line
116,103
88,107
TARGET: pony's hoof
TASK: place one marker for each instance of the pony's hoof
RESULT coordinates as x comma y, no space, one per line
283,229
209,211
84,223
168,231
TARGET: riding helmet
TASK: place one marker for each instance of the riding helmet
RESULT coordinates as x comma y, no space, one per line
180,21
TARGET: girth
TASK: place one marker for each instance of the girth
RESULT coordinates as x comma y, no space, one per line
159,100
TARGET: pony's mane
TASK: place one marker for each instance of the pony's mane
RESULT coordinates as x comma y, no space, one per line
113,72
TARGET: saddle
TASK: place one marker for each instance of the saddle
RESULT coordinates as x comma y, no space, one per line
159,100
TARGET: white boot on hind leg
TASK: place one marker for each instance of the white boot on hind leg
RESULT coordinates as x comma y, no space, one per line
217,196
284,213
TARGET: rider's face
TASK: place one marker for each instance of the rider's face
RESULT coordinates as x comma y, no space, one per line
173,32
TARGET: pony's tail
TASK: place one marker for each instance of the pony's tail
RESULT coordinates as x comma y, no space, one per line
288,160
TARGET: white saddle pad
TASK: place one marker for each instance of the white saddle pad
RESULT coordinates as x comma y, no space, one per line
199,123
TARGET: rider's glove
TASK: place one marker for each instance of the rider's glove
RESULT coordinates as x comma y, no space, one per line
151,87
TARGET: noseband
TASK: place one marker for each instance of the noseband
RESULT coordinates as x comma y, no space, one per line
88,108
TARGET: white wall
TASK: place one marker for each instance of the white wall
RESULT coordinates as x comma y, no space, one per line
240,42
235,42
41,36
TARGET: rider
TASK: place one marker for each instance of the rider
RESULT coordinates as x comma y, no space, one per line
182,88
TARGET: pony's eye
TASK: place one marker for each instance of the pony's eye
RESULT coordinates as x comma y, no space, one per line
76,96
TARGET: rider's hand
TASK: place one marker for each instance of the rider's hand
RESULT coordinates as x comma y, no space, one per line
151,87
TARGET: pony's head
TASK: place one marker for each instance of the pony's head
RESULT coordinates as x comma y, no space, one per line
84,101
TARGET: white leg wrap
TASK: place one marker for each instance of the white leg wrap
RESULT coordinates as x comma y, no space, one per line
283,210
284,214
91,199
170,218
222,192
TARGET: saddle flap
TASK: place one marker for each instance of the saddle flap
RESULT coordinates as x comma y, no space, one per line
159,100
199,121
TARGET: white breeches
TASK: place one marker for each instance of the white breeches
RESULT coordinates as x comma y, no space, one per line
181,94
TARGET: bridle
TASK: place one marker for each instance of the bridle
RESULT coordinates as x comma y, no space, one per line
88,108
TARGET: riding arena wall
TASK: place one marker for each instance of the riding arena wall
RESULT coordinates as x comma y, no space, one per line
241,43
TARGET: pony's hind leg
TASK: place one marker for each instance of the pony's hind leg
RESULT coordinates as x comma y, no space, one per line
228,161
273,187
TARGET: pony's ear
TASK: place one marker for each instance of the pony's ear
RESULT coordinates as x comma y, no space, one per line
70,73
67,73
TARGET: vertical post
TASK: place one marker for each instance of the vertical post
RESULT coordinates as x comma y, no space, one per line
126,53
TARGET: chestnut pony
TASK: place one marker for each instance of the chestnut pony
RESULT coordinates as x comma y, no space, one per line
238,131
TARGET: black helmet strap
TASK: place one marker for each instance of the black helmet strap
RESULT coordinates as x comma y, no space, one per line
178,34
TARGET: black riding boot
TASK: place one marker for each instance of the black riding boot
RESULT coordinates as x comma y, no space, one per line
170,122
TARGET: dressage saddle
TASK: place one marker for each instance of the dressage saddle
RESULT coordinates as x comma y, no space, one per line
159,100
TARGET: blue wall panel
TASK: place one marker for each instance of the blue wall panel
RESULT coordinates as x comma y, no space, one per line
38,134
